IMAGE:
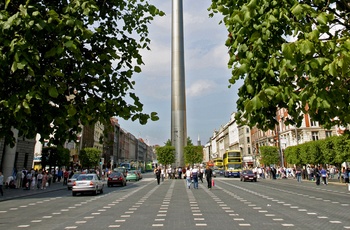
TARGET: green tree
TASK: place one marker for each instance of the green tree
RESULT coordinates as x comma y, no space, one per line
55,157
291,54
269,155
89,157
165,155
66,63
193,154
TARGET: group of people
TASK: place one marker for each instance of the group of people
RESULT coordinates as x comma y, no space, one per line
192,175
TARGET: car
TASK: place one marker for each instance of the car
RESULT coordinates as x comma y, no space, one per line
132,175
116,178
71,180
122,170
140,174
87,183
248,175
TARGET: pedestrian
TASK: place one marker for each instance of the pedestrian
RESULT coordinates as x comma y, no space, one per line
29,180
44,180
201,173
298,174
40,179
32,183
158,173
19,178
317,175
1,183
208,176
65,177
163,173
188,177
195,173
179,171
345,175
324,174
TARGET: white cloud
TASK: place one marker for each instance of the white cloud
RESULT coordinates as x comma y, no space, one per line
200,88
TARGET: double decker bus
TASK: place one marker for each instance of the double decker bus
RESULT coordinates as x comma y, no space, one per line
218,163
232,160
218,166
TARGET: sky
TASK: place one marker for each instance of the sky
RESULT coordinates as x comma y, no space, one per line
209,101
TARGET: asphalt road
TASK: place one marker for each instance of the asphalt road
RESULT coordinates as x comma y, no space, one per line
231,204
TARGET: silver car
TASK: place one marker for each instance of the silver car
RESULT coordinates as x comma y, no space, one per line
87,183
71,180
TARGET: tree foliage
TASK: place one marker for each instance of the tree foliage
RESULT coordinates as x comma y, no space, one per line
165,155
65,63
55,157
269,155
89,157
291,54
193,154
332,150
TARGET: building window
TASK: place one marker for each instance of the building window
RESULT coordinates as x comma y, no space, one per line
249,151
313,123
314,136
248,140
25,162
328,133
247,130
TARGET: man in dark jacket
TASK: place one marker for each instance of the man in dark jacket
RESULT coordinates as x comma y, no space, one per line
158,172
209,175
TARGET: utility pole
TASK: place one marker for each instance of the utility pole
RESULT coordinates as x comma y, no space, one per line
178,93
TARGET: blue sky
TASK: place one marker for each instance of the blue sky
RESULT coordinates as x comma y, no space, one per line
209,101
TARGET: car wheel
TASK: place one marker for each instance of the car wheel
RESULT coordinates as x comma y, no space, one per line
254,180
74,193
101,191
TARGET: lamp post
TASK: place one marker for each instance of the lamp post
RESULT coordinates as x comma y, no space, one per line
279,143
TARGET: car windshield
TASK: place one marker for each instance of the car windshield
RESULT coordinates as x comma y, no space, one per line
248,172
76,175
85,177
115,174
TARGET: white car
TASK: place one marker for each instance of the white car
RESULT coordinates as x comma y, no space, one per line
87,183
71,180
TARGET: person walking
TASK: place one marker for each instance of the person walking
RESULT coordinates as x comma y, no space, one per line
163,173
19,178
298,174
195,173
44,180
317,175
1,183
201,173
188,177
158,172
324,174
208,176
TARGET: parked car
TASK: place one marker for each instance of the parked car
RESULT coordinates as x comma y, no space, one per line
71,180
116,178
87,183
132,175
248,175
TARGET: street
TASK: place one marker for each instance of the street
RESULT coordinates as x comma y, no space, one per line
231,204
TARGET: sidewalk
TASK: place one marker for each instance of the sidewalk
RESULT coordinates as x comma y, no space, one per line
10,194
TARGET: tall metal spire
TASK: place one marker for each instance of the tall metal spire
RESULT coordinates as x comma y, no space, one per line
178,92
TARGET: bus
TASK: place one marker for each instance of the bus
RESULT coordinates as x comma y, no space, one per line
218,166
218,163
232,161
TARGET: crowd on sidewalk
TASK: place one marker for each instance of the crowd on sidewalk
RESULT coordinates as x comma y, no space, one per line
310,172
35,179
